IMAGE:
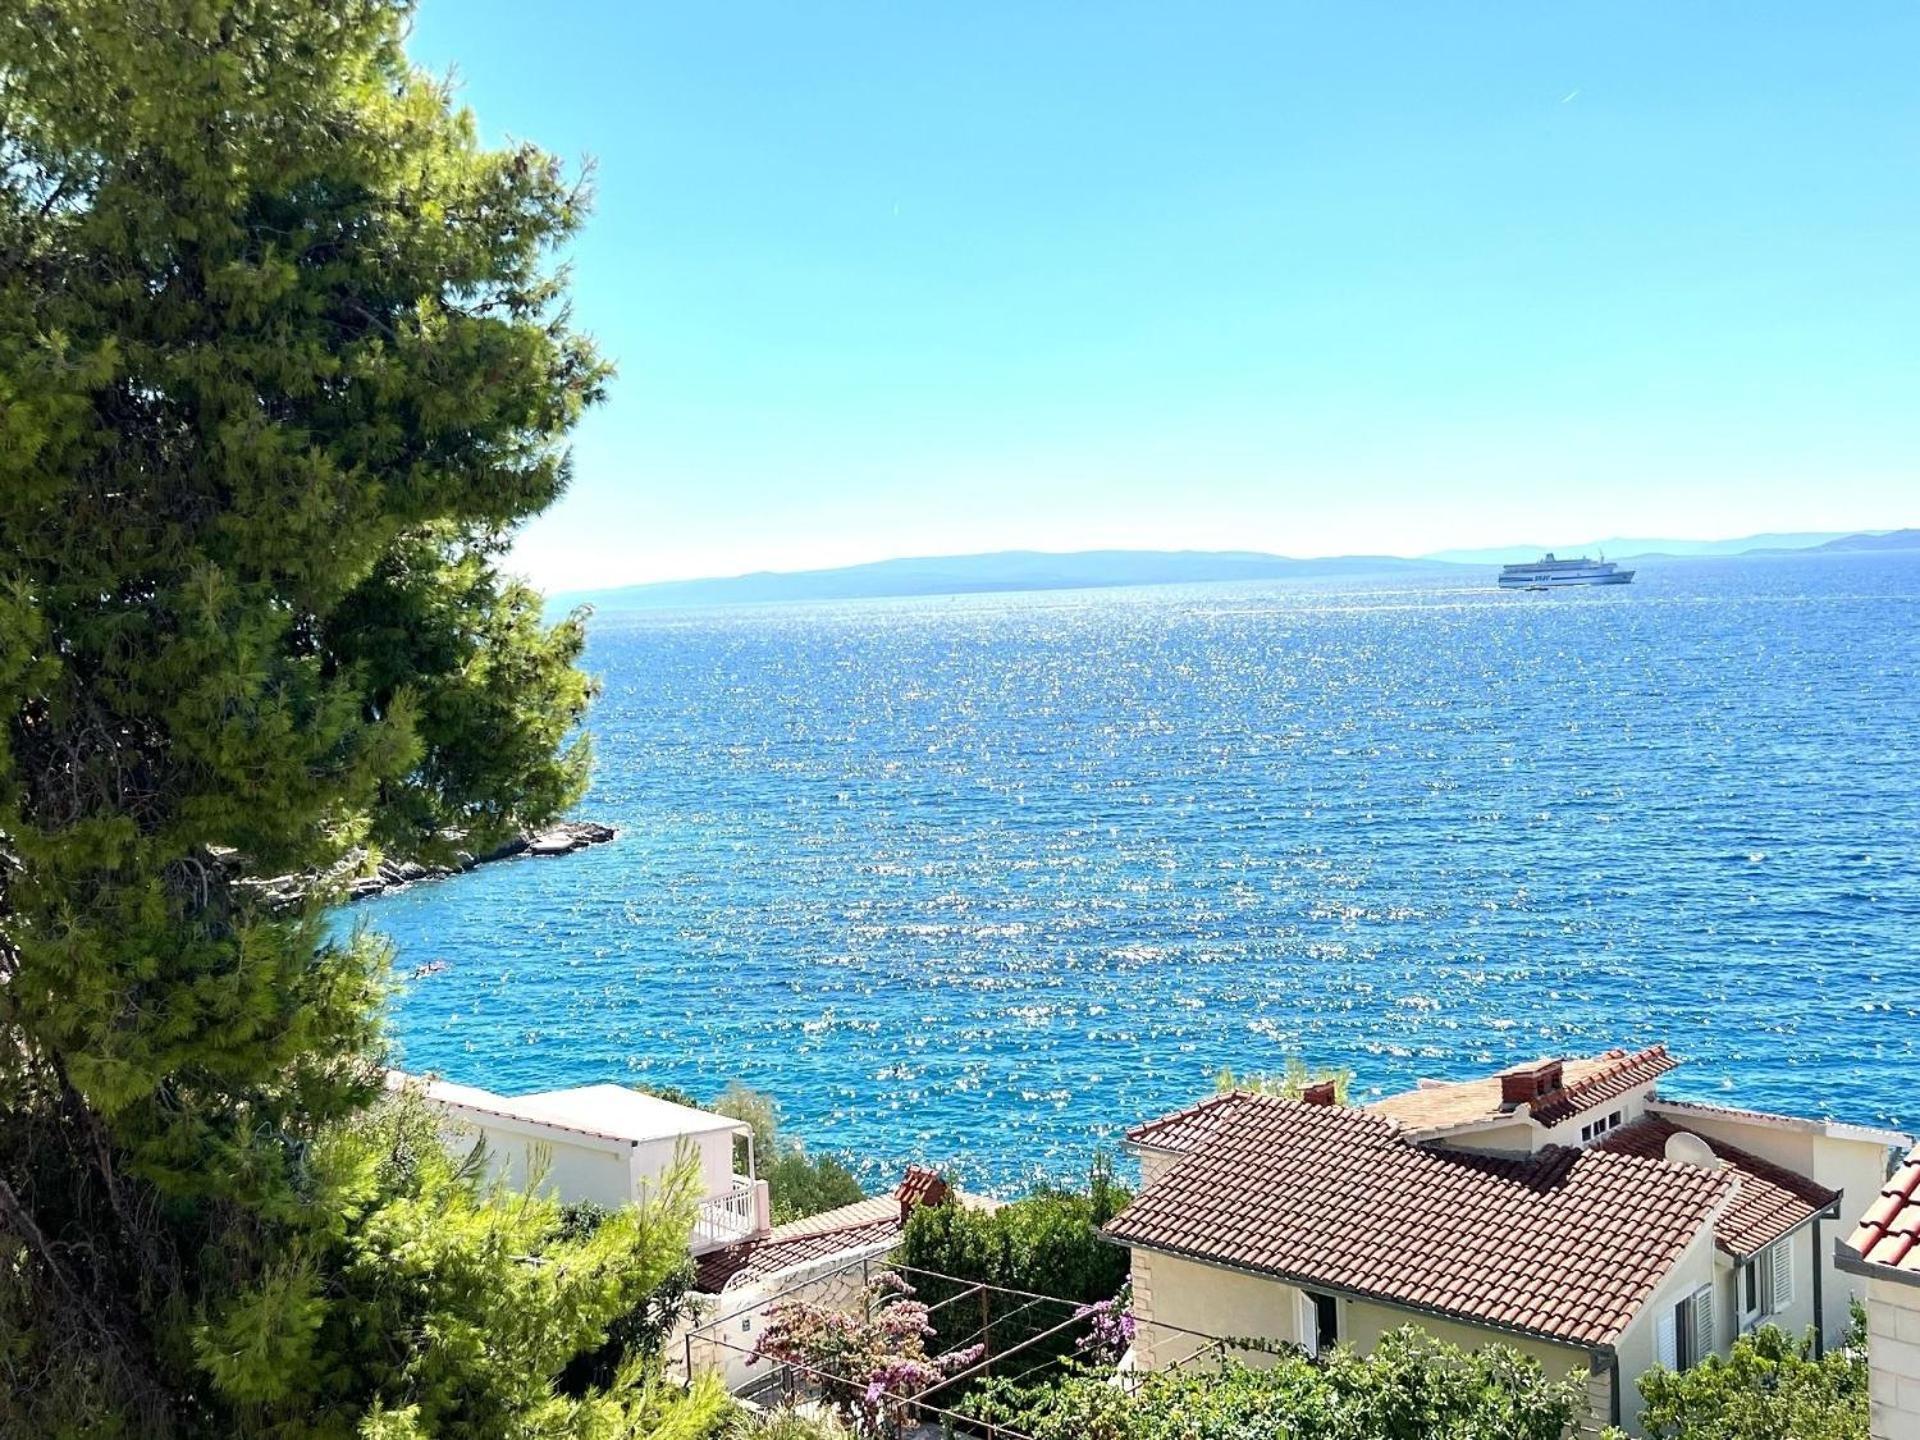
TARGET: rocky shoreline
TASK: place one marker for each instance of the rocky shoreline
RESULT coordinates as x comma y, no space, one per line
556,840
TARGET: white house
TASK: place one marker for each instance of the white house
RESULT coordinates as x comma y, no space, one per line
1563,1207
609,1145
1884,1252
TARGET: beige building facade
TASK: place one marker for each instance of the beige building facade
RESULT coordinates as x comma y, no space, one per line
1883,1251
1662,1230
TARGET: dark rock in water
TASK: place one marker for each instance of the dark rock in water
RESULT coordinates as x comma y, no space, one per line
346,877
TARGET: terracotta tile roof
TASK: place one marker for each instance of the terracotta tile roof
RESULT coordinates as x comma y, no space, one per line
1609,1082
1564,1244
1889,1233
920,1186
1184,1129
1589,1081
1768,1199
860,1212
771,1254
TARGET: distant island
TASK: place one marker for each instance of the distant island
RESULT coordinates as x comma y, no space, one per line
1016,570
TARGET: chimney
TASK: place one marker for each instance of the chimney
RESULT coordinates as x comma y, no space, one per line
1321,1092
1524,1084
920,1186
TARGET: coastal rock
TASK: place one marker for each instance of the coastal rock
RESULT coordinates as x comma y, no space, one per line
505,850
346,877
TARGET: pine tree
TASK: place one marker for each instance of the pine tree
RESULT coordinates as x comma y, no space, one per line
283,359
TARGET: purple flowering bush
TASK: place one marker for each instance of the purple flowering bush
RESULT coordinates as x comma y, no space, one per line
1109,1332
866,1365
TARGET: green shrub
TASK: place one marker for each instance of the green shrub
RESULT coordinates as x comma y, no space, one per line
1048,1243
786,1424
1769,1386
1413,1387
799,1185
1290,1084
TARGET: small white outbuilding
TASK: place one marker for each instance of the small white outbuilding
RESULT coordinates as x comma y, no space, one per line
609,1145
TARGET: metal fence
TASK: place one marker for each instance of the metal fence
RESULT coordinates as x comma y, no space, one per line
1022,1334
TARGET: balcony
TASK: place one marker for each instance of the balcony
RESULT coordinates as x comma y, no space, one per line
738,1214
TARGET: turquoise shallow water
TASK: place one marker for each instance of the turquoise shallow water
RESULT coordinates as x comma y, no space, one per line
985,879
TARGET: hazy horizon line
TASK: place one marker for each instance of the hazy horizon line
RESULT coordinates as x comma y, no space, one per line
1443,556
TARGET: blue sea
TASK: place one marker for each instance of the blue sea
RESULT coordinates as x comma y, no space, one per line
983,880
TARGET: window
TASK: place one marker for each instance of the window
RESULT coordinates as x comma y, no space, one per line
1746,1282
1776,1276
1684,1336
1319,1322
1595,1129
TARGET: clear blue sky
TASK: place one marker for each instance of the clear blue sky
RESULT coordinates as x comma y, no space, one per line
918,278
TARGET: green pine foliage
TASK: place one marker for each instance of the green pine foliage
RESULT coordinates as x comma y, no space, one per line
283,359
1290,1084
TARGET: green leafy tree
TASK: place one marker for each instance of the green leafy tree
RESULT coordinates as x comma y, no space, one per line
1047,1243
1768,1386
798,1184
283,359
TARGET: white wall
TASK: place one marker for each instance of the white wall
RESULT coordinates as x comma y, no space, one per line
1856,1168
719,1336
574,1170
712,1152
1154,1164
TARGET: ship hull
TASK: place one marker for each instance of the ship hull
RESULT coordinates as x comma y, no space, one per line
1555,582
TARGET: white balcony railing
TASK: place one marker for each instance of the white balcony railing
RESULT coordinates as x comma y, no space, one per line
727,1219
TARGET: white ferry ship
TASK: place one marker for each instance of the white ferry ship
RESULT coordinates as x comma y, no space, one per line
1549,571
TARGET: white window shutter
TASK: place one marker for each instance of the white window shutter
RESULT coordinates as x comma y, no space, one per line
1780,1276
1666,1340
1309,1325
1703,1336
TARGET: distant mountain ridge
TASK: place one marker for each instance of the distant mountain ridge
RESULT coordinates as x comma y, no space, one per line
1629,549
1000,571
1876,540
1018,570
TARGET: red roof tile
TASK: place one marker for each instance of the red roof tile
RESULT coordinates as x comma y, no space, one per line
1591,1080
920,1186
1564,1244
1768,1201
768,1255
1627,1072
1184,1129
1889,1233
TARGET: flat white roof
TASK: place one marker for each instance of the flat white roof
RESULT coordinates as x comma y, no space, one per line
608,1112
1805,1124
